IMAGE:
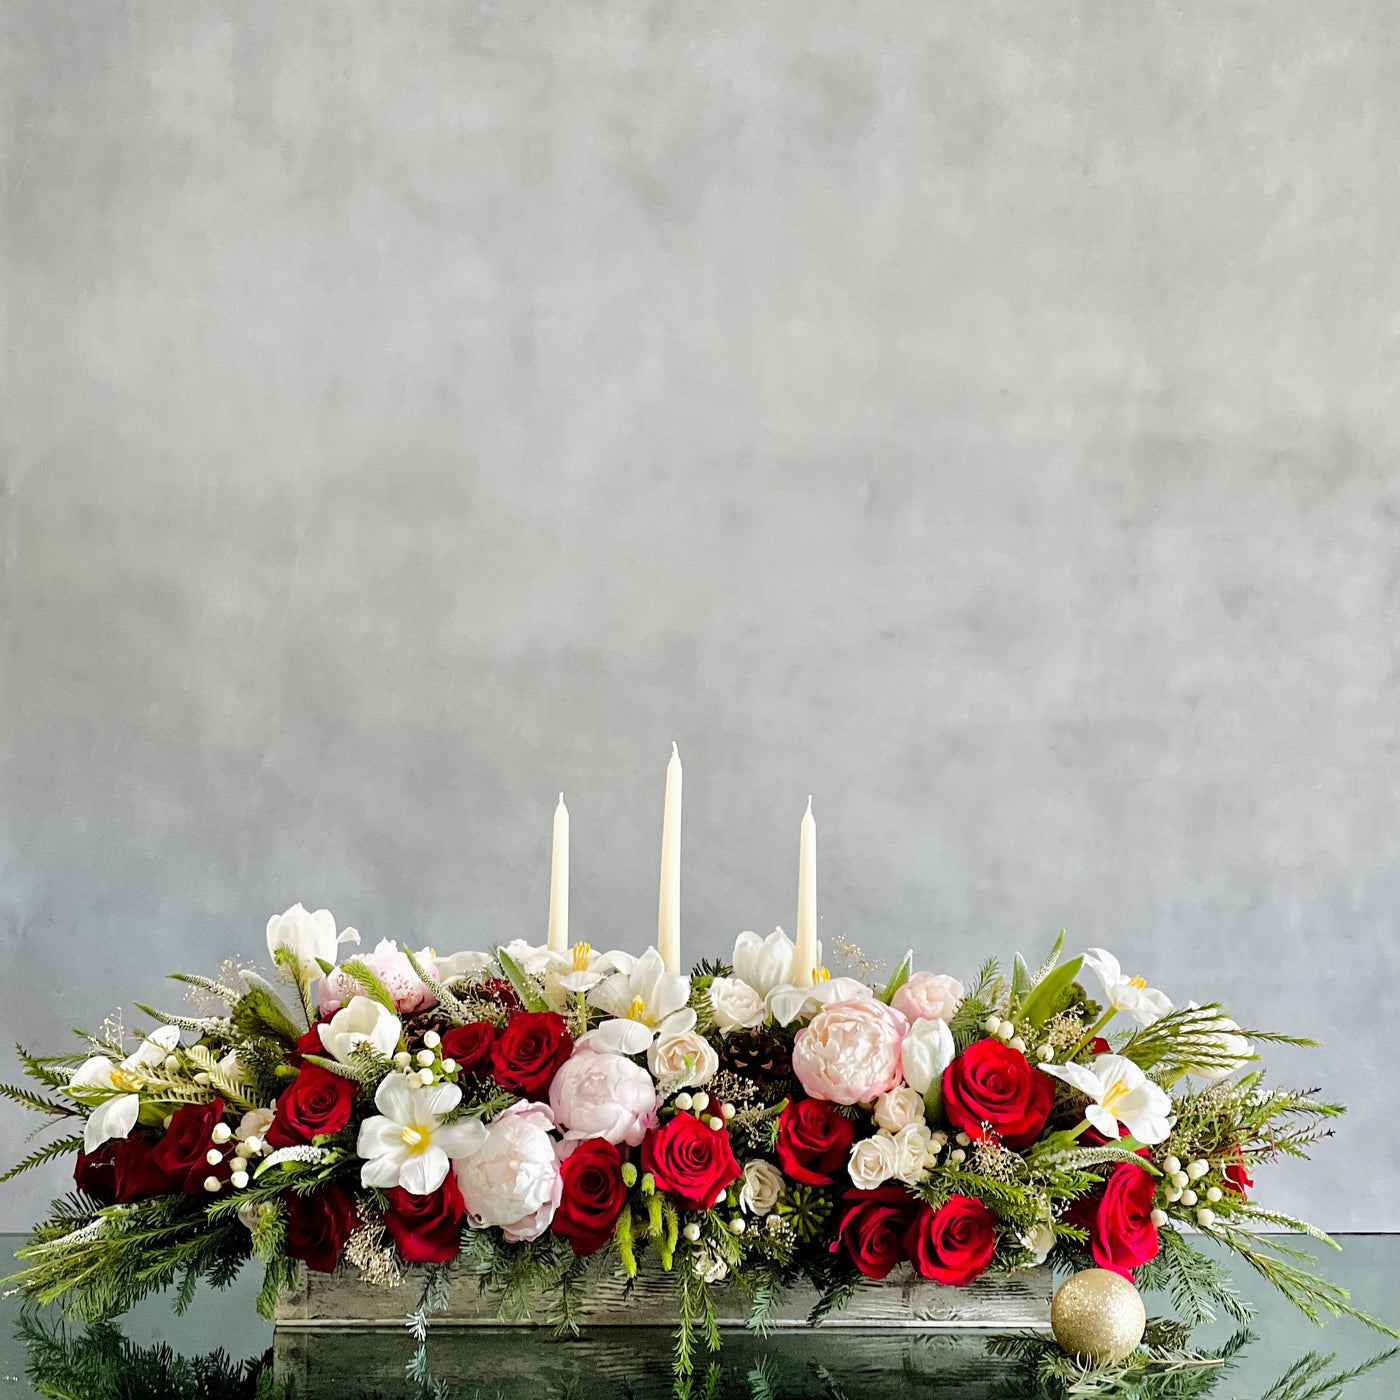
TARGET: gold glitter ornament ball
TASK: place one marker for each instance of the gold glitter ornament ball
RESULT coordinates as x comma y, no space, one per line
1098,1316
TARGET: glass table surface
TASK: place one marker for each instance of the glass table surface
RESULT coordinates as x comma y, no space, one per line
151,1353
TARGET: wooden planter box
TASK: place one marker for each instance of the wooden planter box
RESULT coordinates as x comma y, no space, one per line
997,1302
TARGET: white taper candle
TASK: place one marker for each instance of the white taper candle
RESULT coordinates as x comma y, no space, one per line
559,881
668,918
805,958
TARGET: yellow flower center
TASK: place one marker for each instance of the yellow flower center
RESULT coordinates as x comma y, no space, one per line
1138,982
1115,1095
821,974
582,953
125,1081
637,1011
414,1140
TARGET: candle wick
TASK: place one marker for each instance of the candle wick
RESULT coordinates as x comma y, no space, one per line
809,805
675,752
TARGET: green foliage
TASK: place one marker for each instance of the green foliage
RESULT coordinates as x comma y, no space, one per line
898,977
1047,998
59,1147
447,1002
526,988
1197,1284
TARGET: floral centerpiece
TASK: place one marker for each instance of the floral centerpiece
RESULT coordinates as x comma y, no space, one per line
516,1111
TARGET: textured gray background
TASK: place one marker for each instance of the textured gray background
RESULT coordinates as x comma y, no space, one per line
986,424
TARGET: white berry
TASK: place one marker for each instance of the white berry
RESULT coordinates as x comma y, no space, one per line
736,1225
239,1179
1018,1044
700,1101
1188,1198
1045,1053
728,1111
992,1025
683,1102
212,1184
691,1232
425,1077
403,1059
1180,1179
957,1155
1172,1165
221,1134
1205,1217
1159,1218
213,1156
172,1063
1197,1169
425,1058
1174,1195
1213,1194
432,1040
449,1066
254,1145
963,1140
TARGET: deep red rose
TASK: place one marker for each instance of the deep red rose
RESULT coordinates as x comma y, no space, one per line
993,1084
501,991
309,1044
873,1227
95,1173
953,1244
1099,1046
315,1103
427,1229
593,1197
138,1175
318,1226
528,1053
1091,1137
180,1154
814,1140
1122,1234
691,1161
1237,1174
470,1046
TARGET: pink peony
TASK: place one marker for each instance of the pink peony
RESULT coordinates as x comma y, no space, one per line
849,1053
601,1095
512,1179
392,968
928,996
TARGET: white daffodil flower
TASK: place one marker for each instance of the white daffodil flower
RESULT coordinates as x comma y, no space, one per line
1120,1092
407,1144
114,1088
360,1021
584,969
310,938
765,963
1131,994
787,1004
645,1000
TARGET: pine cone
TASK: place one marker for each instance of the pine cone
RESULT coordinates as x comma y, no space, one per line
757,1056
421,1022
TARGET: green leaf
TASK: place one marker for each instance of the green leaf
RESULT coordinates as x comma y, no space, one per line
1038,1005
524,986
1048,966
1020,978
370,981
898,977
264,1006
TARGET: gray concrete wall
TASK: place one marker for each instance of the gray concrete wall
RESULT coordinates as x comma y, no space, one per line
980,417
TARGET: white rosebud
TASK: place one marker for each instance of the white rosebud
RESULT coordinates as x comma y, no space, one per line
212,1184
1198,1169
1213,1194
1159,1218
691,1232
239,1179
763,1184
425,1058
1188,1198
213,1156
432,1040
873,1161
911,1147
221,1134
449,1066
1172,1165
926,1051
898,1108
1205,1217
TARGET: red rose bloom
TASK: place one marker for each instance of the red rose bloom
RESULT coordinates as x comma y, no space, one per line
318,1226
501,991
180,1153
1099,1046
873,1228
470,1046
315,1103
1091,1137
992,1083
427,1229
814,1139
95,1173
309,1044
593,1195
137,1173
1237,1174
690,1160
1121,1232
953,1244
528,1053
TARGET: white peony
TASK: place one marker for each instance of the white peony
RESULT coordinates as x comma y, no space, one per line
898,1108
927,1051
360,1022
912,1144
512,1180
601,1095
310,938
736,1005
763,1184
682,1060
873,1162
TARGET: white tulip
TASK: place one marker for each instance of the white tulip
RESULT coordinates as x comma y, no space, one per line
1131,994
928,1050
360,1022
787,1004
113,1089
644,999
765,963
310,938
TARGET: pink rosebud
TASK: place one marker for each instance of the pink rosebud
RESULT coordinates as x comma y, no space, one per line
928,996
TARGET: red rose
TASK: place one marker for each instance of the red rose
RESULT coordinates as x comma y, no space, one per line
315,1103
427,1229
528,1053
1091,1137
1237,1174
1099,1046
137,1173
1121,1232
501,991
470,1046
95,1173
309,1044
814,1139
993,1084
318,1226
180,1154
873,1228
953,1244
593,1197
690,1160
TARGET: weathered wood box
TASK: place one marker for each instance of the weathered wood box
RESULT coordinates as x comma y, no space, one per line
998,1302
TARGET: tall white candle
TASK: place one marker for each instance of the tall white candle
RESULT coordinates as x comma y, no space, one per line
668,918
805,958
559,881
